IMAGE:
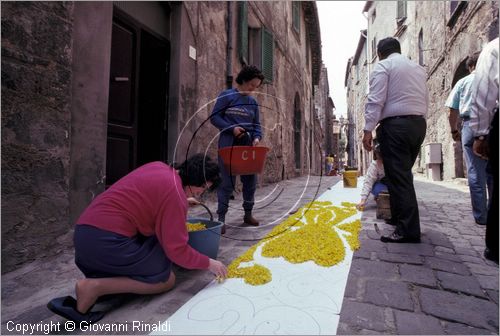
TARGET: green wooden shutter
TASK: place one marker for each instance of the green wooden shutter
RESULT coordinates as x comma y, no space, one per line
243,31
296,15
267,55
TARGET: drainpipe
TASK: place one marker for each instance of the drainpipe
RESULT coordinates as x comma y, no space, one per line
229,51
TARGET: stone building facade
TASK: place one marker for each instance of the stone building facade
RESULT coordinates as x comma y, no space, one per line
325,111
91,90
439,35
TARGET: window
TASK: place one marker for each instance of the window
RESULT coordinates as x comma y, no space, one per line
296,15
401,13
255,45
421,47
401,10
456,8
267,65
374,48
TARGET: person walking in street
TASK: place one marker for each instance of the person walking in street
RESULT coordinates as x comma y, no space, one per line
398,101
484,126
374,182
329,164
236,116
128,237
459,102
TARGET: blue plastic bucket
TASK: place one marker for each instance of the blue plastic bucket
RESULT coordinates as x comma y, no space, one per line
206,241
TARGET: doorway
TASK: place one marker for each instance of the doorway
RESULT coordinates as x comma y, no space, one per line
138,96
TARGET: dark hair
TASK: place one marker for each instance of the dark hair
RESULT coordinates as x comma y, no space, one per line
388,46
198,170
472,59
248,73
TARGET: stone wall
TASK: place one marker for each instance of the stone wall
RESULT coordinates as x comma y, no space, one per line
441,50
36,124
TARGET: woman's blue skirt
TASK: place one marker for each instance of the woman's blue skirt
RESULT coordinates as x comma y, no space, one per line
104,254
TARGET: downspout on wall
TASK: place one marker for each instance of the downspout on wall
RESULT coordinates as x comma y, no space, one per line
229,50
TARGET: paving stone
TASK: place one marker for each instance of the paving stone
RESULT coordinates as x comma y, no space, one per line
493,294
353,287
418,274
472,260
488,281
411,249
447,266
460,283
483,269
362,316
466,251
372,234
448,256
444,249
438,238
461,329
363,254
388,293
459,308
374,269
372,246
400,258
416,324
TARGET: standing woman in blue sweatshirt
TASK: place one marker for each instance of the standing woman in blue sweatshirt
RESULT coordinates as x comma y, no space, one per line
236,115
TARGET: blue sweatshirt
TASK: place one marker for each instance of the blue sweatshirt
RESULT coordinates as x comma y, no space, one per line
234,109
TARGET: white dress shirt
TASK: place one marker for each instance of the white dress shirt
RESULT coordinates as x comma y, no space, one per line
484,90
397,87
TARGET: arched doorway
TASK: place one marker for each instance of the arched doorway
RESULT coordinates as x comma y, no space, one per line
460,169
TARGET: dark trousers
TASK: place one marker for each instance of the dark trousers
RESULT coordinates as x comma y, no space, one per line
226,188
400,140
492,221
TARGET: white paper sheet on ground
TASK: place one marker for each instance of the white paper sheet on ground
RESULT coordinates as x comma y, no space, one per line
301,298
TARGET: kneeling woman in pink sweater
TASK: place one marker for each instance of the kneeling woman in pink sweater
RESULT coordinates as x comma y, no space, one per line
129,236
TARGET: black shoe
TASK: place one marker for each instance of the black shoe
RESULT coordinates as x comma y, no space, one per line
223,229
397,238
488,254
479,223
66,307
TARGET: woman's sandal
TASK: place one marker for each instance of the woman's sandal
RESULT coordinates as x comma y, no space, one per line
66,307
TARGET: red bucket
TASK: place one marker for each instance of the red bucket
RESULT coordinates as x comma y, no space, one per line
243,160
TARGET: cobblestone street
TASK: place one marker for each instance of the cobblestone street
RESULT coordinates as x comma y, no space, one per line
441,286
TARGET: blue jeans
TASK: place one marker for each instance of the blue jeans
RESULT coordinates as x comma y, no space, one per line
479,180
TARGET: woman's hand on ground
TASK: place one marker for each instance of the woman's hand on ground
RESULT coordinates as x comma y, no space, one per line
193,201
217,268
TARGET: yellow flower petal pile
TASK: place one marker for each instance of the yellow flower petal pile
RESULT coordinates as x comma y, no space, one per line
191,227
307,235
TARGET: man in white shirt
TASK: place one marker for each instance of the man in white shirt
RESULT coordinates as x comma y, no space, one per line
459,102
484,125
398,101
